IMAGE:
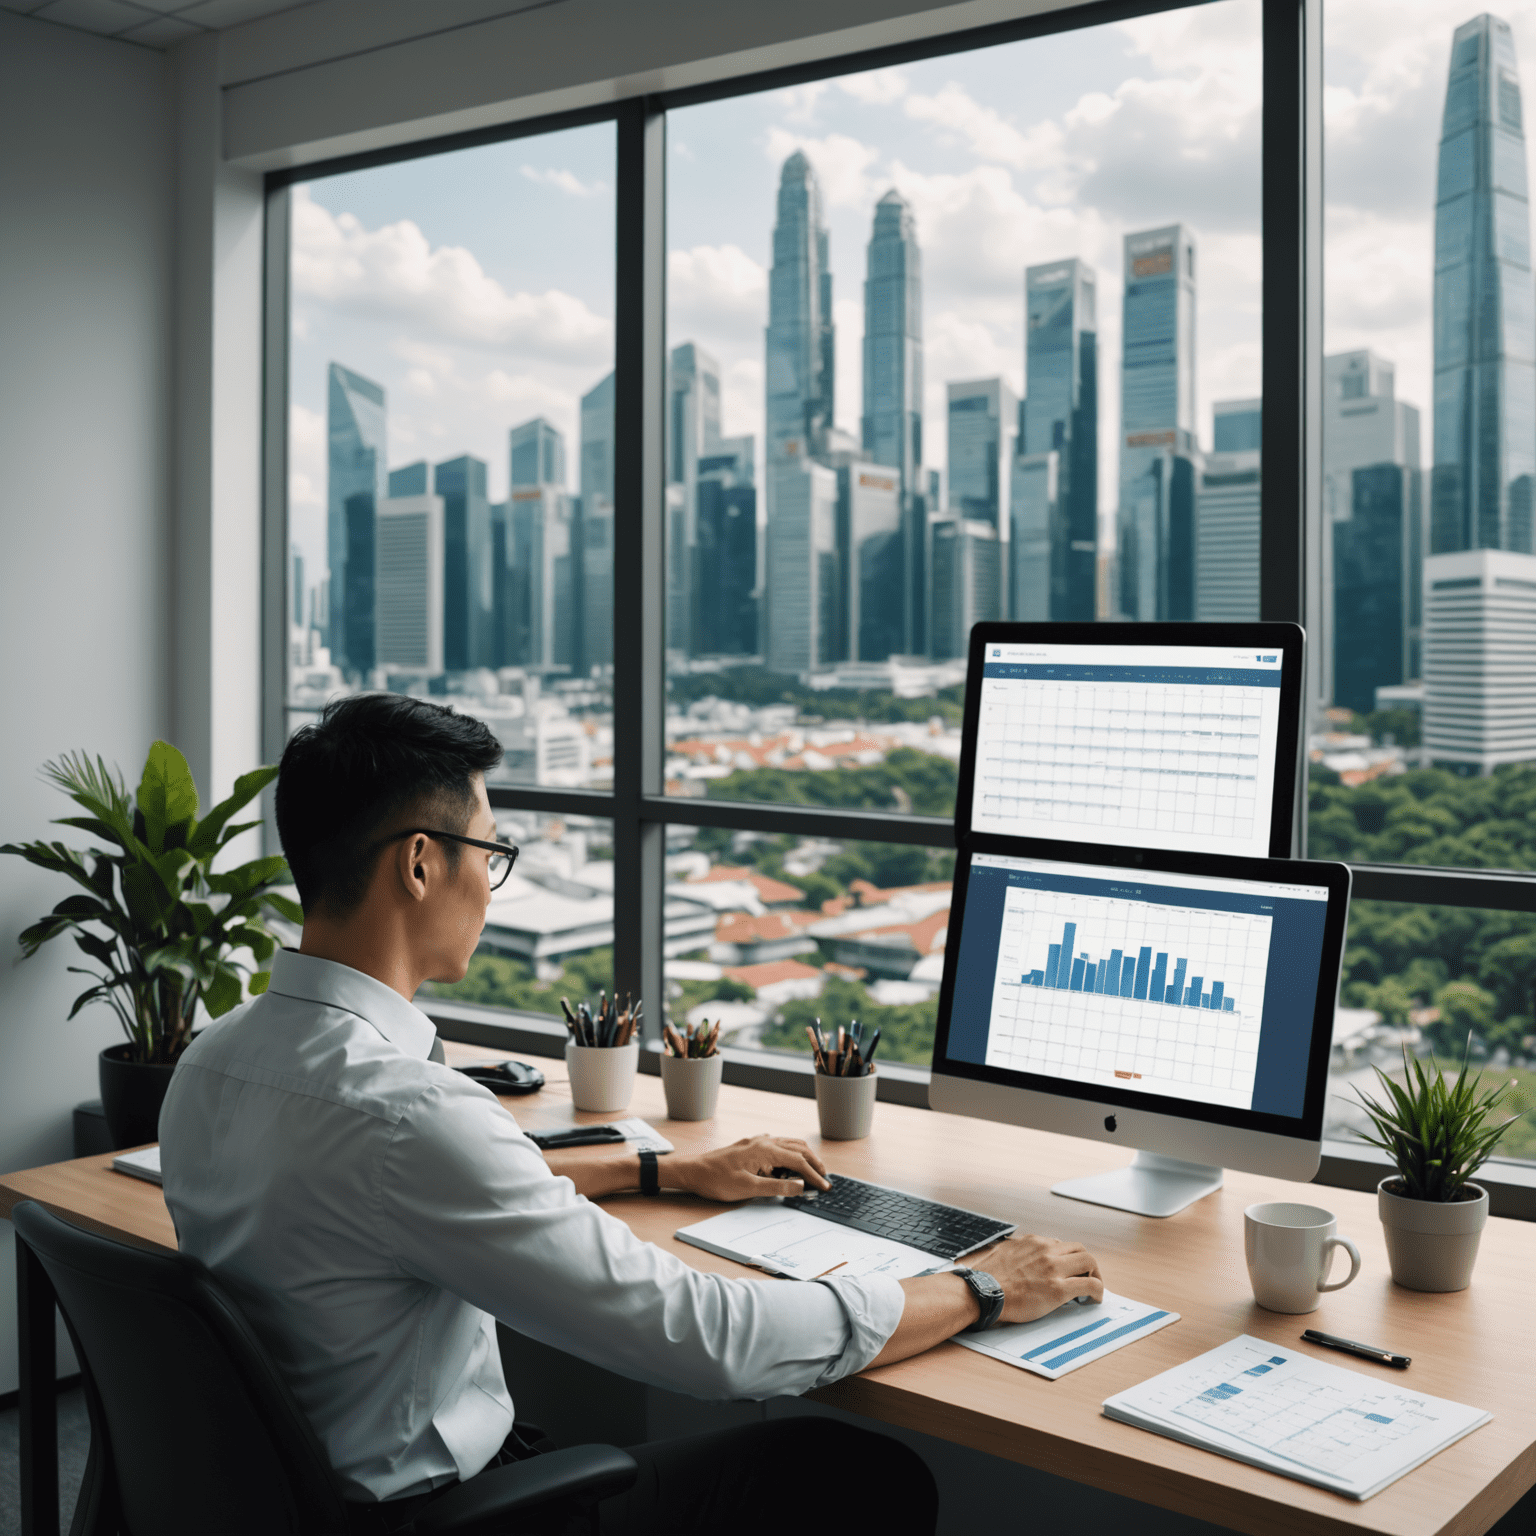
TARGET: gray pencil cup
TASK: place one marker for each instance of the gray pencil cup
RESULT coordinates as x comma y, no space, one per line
692,1085
602,1077
845,1105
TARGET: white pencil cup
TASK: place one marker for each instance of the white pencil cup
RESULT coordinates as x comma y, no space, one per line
845,1105
602,1076
692,1086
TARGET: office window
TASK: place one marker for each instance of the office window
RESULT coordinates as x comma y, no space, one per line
549,930
975,337
1423,736
765,933
1426,979
450,504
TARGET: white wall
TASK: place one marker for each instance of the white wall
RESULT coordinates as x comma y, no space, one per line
85,284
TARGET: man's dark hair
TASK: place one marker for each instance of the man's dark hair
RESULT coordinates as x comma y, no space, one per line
372,763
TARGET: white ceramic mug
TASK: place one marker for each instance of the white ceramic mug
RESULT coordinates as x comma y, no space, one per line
1290,1250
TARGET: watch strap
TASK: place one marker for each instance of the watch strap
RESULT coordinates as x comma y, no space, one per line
650,1176
989,1296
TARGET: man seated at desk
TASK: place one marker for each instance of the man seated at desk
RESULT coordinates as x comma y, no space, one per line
375,1212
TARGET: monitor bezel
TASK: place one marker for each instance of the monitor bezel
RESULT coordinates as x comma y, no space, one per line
1147,861
1288,640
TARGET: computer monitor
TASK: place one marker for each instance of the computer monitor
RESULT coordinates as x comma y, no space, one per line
1176,736
1178,1004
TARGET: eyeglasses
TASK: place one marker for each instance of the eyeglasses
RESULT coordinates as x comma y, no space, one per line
503,855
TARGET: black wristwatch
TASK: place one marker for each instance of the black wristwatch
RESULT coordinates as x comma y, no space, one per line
988,1292
650,1178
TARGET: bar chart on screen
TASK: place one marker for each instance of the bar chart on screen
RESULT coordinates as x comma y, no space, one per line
1131,993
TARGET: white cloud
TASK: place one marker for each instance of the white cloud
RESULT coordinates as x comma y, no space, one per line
715,284
394,273
841,163
876,87
985,132
565,181
800,100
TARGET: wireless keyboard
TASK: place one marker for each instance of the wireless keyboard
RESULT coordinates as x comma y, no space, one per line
945,1231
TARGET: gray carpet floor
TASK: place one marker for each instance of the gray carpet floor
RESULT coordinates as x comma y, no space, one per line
74,1446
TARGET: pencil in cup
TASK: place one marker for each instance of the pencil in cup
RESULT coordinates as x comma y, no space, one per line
691,1065
845,1081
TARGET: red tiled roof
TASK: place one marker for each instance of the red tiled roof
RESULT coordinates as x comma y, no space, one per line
924,933
774,893
742,928
760,976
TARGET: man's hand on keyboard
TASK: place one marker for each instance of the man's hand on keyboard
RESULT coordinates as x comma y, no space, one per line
1038,1274
745,1169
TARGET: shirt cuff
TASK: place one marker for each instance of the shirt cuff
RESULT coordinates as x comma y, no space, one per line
873,1308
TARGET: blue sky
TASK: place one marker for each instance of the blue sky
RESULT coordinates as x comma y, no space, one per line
478,287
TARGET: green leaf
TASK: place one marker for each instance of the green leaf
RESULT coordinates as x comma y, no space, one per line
244,878
97,948
206,840
284,906
92,824
146,895
32,939
258,983
223,992
167,796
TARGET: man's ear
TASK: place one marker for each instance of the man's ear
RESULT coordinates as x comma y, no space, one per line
411,866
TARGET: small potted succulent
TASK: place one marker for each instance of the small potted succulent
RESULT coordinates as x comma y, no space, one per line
1438,1134
161,926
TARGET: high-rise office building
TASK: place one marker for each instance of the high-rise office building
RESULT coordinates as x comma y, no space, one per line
468,613
408,584
355,484
1479,660
724,595
800,337
1061,416
891,427
537,451
597,525
1157,426
1485,324
1035,480
539,617
983,429
965,554
1227,538
693,430
871,544
1237,426
1374,524
805,596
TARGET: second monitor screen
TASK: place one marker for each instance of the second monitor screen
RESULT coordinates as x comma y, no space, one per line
1140,746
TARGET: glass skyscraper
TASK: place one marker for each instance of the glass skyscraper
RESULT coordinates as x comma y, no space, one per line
597,525
467,595
693,430
892,423
538,453
1157,426
800,337
724,562
983,420
1061,416
355,484
1485,315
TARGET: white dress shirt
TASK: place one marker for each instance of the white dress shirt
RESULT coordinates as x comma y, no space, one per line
373,1211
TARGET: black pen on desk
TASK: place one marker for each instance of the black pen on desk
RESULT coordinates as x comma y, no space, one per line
1354,1347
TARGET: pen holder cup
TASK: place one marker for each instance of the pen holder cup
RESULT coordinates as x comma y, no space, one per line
602,1076
845,1106
692,1086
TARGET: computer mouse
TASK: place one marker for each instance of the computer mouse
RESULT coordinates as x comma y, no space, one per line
511,1077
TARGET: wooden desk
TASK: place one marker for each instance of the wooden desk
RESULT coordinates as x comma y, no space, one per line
1477,1347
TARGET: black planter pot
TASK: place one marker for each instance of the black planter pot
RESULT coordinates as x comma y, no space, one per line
131,1095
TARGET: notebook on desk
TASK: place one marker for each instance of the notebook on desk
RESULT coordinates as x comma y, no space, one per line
143,1164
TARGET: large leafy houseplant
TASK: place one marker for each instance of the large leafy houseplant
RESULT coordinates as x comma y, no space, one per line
161,925
1437,1134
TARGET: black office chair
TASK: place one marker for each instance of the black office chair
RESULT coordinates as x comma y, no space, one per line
193,1431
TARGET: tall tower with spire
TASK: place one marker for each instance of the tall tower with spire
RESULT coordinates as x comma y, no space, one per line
1485,328
892,423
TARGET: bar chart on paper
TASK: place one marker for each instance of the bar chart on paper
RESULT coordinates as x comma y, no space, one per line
1130,993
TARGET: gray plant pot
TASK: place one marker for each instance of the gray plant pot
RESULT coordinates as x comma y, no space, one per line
1432,1244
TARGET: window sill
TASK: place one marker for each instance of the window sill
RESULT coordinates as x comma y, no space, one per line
1511,1186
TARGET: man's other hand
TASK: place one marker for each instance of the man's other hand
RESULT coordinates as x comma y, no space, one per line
745,1169
1038,1274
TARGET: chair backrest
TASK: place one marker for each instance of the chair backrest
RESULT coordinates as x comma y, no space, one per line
203,1434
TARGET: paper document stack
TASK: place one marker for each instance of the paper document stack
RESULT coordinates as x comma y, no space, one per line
1275,1408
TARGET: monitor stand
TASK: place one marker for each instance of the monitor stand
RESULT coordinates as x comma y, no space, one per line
1152,1185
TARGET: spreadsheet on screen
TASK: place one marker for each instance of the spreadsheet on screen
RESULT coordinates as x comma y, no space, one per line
1145,746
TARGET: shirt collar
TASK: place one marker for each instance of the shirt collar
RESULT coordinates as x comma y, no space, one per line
334,985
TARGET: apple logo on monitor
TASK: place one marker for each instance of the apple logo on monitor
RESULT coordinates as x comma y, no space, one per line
1109,1123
